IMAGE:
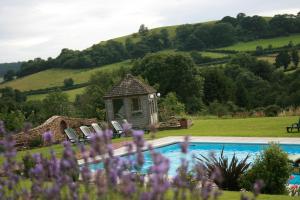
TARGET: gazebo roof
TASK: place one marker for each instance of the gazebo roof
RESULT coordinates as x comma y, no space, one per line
129,86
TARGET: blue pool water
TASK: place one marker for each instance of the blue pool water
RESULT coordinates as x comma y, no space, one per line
173,153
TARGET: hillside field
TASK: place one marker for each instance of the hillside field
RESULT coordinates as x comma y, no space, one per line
275,42
71,94
55,77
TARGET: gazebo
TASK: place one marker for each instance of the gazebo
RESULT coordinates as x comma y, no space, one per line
133,100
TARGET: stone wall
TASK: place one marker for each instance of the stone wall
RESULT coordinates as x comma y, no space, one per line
56,125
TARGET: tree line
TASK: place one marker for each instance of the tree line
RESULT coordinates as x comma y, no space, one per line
227,31
243,84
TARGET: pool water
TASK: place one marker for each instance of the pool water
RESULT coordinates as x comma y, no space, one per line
241,150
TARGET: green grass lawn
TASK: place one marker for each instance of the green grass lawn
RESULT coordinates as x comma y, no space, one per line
71,94
275,42
56,77
248,127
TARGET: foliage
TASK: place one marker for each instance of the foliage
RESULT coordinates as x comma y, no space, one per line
9,75
283,59
34,142
295,57
56,103
231,170
13,120
28,164
272,166
68,82
272,110
187,37
177,73
170,106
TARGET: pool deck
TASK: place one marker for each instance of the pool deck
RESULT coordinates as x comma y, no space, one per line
175,139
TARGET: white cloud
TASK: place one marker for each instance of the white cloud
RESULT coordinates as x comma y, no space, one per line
35,28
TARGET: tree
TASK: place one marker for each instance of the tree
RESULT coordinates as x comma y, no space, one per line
68,82
9,75
170,106
242,96
295,57
56,103
143,30
174,72
283,59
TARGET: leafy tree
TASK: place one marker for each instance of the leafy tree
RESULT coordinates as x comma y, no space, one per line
222,34
231,20
164,35
143,30
170,106
13,120
9,75
68,82
217,86
295,57
242,96
56,103
173,72
283,59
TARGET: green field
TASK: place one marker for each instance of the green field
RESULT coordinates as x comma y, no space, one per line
55,77
275,42
245,127
213,54
71,94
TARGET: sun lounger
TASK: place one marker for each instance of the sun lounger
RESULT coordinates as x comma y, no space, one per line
295,126
72,136
88,134
118,130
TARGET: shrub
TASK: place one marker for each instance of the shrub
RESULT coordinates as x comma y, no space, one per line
272,111
272,167
28,164
231,170
68,82
35,142
170,106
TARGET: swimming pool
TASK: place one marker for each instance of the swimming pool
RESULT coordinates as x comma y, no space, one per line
173,153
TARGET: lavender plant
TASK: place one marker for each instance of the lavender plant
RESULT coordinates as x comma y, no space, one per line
120,178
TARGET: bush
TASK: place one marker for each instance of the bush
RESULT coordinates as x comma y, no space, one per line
230,170
28,164
272,110
35,142
272,167
170,106
68,82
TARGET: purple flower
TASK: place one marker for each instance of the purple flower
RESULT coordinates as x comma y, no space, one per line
48,137
257,187
184,145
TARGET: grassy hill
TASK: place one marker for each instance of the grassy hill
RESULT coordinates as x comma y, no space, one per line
275,42
71,94
55,77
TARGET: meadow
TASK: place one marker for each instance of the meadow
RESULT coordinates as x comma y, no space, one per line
55,77
71,94
275,42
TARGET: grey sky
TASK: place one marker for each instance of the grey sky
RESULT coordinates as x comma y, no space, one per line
41,28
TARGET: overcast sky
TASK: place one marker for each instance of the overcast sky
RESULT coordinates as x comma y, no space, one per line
41,28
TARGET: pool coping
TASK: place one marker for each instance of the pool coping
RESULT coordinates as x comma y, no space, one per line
205,139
